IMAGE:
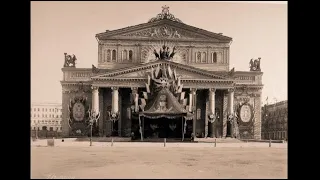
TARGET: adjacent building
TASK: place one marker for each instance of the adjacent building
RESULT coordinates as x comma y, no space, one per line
162,78
46,116
275,121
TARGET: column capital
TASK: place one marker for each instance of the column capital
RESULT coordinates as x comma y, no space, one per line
115,88
193,90
231,90
94,88
134,90
212,89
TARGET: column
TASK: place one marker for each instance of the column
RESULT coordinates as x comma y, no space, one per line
134,91
225,114
230,107
212,101
115,100
190,101
95,99
193,91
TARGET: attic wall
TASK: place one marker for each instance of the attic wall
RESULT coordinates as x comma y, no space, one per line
114,54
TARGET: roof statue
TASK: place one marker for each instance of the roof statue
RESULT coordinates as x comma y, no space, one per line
164,53
165,14
255,65
69,61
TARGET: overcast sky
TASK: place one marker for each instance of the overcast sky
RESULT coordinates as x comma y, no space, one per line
258,30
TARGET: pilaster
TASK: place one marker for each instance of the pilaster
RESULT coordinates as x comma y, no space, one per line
257,115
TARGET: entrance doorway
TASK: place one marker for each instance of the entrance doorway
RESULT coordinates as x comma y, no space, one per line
160,128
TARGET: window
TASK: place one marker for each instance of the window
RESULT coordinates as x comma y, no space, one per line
60,116
34,128
214,57
49,110
61,128
57,129
51,128
204,56
130,55
46,109
34,115
114,55
124,55
198,57
42,109
198,114
34,109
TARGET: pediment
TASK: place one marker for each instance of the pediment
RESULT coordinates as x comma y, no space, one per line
142,71
164,29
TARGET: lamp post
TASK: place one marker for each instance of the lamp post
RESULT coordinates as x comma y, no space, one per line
93,118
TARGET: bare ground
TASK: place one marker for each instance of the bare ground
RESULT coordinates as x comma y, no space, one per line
156,161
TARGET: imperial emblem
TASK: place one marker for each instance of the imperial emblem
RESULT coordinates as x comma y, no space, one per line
245,113
78,111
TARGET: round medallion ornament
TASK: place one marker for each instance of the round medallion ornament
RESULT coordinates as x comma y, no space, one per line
78,111
245,113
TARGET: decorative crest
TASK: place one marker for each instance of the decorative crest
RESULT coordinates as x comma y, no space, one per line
164,53
255,65
165,14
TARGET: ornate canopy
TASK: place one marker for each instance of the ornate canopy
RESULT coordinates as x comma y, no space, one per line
165,104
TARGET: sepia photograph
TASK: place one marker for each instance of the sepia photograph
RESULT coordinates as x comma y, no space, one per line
159,90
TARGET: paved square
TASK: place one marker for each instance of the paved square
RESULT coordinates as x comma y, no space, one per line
127,161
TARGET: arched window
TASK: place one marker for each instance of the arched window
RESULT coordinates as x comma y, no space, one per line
124,55
44,127
214,57
108,56
198,57
130,55
203,58
114,55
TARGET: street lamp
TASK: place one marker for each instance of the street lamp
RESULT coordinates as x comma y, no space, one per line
93,118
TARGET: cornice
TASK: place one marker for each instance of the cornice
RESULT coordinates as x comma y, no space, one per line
254,73
154,65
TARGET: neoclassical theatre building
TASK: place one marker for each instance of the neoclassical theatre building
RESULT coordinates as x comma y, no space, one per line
162,79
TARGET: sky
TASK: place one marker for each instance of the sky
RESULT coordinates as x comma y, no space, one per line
258,29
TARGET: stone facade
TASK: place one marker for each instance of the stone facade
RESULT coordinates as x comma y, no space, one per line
275,121
201,61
